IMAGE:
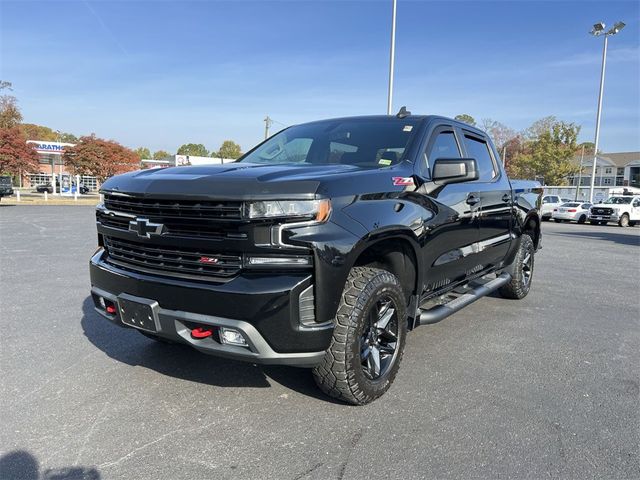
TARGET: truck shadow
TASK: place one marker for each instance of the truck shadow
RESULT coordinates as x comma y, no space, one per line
181,361
22,465
630,237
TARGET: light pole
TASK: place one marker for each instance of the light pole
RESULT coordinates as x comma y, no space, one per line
267,125
392,55
579,174
598,30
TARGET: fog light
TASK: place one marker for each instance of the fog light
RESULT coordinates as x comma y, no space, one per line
283,261
231,336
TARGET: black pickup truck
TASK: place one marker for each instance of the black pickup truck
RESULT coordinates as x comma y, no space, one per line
321,247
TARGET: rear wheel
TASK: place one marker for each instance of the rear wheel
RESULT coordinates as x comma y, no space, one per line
521,271
582,219
368,340
557,220
624,220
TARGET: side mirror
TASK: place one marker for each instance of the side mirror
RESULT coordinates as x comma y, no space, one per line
454,170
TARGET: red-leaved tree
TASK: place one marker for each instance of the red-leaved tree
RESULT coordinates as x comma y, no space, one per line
16,155
100,158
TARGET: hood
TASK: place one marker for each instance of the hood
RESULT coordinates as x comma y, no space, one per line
244,181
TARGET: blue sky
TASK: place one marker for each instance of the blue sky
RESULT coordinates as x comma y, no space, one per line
163,73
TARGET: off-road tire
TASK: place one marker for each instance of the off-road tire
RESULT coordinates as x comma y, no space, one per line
519,287
624,220
341,374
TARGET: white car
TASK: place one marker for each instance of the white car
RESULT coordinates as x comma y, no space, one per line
549,202
572,212
623,209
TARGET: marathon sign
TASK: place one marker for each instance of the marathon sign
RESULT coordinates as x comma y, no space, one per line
54,148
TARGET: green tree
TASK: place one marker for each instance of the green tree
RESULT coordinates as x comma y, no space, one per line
40,132
143,153
195,149
549,154
228,149
68,138
589,148
541,126
10,115
466,118
160,154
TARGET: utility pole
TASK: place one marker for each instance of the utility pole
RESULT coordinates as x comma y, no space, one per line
267,124
392,55
580,174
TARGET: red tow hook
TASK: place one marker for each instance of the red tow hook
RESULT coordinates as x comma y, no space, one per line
200,332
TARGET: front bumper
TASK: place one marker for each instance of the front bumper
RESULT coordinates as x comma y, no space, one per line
614,217
264,307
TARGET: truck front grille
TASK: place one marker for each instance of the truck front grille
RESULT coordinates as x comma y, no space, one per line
182,227
175,209
601,211
170,261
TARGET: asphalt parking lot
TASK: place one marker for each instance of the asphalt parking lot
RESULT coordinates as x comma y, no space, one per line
546,387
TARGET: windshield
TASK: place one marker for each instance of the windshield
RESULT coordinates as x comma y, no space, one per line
619,200
5,180
366,143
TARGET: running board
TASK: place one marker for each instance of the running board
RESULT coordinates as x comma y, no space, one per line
440,312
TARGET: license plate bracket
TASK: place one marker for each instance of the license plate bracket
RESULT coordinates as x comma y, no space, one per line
140,313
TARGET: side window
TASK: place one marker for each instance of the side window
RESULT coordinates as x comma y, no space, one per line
479,150
444,146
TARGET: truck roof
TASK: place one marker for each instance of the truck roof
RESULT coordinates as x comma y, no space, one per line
414,118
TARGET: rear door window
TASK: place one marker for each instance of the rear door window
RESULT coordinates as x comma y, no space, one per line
478,149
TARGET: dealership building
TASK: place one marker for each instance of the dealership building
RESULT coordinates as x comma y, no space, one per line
50,164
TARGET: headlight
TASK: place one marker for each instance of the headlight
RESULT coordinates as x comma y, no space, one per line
317,210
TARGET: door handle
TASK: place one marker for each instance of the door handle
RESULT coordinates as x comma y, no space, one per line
506,198
472,200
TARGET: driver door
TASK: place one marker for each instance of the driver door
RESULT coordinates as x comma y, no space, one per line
448,251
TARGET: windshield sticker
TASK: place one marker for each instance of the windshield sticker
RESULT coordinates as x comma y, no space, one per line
403,181
384,161
407,128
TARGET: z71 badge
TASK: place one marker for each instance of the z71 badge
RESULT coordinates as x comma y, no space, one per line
403,181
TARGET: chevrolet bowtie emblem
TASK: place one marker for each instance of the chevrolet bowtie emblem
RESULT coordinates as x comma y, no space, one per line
144,228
